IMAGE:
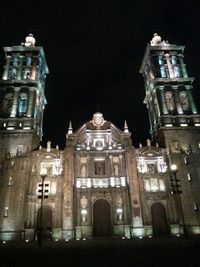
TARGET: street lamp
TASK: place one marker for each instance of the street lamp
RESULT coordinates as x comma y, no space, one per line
43,175
176,190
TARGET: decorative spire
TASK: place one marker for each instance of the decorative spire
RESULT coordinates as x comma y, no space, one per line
70,129
148,142
48,146
126,130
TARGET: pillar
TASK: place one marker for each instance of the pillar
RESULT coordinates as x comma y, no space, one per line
169,65
183,68
15,102
6,68
162,101
34,68
31,103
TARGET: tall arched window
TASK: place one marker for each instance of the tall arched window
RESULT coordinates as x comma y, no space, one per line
22,107
6,104
161,62
170,101
184,101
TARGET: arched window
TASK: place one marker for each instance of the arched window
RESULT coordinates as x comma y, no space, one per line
184,101
161,62
12,73
170,101
22,107
6,104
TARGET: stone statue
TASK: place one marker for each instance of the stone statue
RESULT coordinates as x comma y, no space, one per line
156,39
116,170
83,170
29,40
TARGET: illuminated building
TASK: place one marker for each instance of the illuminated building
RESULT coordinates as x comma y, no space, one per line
100,184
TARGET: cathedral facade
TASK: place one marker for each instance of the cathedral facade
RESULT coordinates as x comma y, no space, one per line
100,185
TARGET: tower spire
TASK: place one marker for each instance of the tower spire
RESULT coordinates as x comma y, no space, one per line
126,130
70,129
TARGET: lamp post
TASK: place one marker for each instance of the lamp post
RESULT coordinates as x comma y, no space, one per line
174,170
43,175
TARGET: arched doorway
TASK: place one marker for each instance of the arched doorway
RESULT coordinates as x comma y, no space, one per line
102,226
45,222
159,220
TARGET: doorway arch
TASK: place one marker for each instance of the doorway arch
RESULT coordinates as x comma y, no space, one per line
102,226
45,223
159,220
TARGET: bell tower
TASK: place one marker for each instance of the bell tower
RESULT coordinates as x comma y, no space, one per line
22,98
171,107
175,125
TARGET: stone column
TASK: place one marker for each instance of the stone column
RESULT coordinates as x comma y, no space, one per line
169,65
177,102
15,102
191,101
67,207
20,68
134,192
183,68
162,101
6,68
34,68
31,102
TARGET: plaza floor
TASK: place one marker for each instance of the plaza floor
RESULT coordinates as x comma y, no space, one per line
134,252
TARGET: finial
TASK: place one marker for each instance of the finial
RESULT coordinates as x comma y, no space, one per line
70,129
48,146
140,145
57,147
156,39
126,130
40,147
29,40
148,142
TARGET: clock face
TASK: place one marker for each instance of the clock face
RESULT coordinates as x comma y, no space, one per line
98,119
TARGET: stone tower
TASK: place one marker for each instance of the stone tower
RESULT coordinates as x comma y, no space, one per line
174,119
22,97
22,102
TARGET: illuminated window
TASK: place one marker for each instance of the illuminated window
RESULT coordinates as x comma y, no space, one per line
154,184
22,108
15,62
176,72
13,73
160,60
173,60
163,72
28,61
52,168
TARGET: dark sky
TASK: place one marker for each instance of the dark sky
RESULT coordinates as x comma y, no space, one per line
94,50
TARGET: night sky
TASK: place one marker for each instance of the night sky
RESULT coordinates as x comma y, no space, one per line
94,50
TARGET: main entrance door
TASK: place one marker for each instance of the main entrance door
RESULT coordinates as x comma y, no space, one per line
102,226
44,222
159,220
